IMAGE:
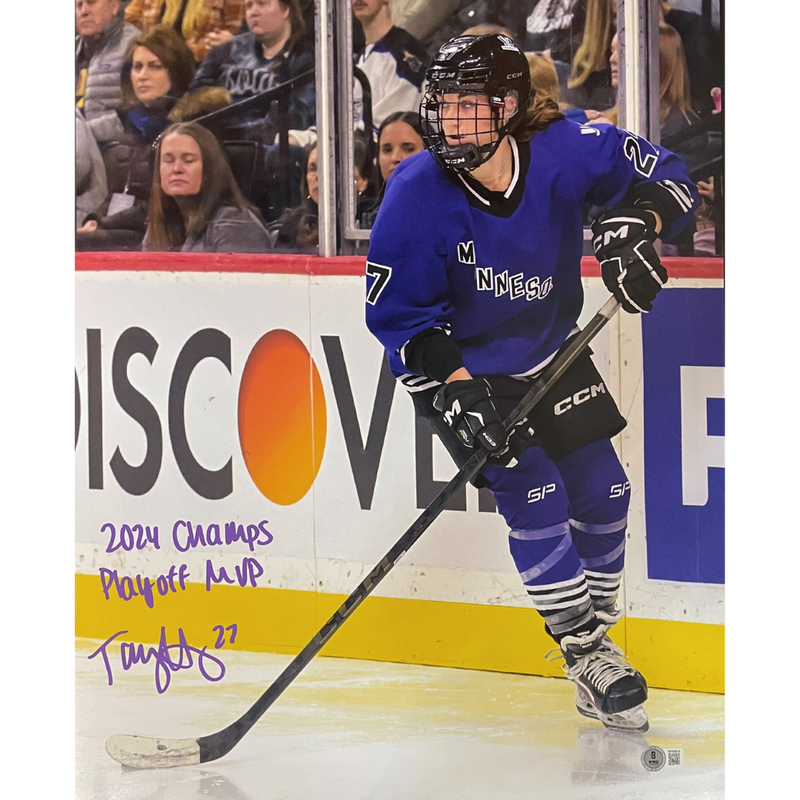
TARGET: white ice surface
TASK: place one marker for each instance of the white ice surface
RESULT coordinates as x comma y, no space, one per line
358,730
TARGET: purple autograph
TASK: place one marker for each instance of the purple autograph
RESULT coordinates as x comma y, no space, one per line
168,658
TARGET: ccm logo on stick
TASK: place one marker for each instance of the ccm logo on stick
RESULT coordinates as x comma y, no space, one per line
579,397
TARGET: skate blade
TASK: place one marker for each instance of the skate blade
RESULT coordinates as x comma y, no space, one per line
632,721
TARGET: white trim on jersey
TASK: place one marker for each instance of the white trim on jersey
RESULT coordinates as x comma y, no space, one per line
542,364
679,191
417,383
515,166
515,156
480,197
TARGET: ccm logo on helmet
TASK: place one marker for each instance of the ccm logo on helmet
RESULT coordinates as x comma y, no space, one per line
579,397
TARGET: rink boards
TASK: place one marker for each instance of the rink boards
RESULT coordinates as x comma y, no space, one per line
243,460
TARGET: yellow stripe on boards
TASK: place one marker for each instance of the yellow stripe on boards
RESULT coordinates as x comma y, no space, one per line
267,620
678,655
671,655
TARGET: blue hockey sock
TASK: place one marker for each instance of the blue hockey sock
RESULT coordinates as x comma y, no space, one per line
599,495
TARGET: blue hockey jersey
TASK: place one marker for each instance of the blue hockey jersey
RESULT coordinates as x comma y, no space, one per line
501,272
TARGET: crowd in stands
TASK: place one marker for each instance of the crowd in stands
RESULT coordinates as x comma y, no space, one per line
196,119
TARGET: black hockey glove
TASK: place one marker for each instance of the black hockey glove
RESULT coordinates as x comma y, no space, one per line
632,272
467,408
520,438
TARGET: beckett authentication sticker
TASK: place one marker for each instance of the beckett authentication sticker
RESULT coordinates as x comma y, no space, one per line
654,759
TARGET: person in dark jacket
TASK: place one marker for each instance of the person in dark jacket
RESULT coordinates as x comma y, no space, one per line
195,202
272,51
298,227
156,72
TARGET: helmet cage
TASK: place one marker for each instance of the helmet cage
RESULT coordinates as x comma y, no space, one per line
466,156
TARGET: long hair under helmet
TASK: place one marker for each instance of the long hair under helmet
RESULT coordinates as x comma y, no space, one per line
490,65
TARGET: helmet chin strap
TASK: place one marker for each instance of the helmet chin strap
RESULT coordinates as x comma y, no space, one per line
473,154
487,151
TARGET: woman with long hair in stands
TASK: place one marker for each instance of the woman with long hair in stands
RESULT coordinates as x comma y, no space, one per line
156,72
589,83
399,138
195,202
675,115
298,227
675,99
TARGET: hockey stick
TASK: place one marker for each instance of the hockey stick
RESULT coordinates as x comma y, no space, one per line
145,752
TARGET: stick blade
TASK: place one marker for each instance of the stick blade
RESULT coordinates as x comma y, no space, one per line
145,752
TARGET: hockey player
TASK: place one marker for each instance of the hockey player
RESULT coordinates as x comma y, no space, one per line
473,286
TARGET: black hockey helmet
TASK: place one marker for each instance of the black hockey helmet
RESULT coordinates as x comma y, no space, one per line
490,65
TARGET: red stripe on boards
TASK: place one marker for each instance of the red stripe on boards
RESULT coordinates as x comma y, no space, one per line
315,265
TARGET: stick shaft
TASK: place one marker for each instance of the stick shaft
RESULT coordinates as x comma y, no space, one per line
217,744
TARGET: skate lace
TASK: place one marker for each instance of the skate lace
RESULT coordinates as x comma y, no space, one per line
602,667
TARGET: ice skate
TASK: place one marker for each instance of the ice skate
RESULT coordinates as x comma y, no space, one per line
633,720
608,688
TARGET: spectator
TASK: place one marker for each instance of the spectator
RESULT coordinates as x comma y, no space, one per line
271,52
556,26
589,84
610,116
545,82
399,137
675,114
707,217
703,49
363,175
674,87
393,61
202,23
195,203
298,228
91,187
156,72
101,41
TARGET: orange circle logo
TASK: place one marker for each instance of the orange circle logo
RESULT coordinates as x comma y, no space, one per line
282,417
